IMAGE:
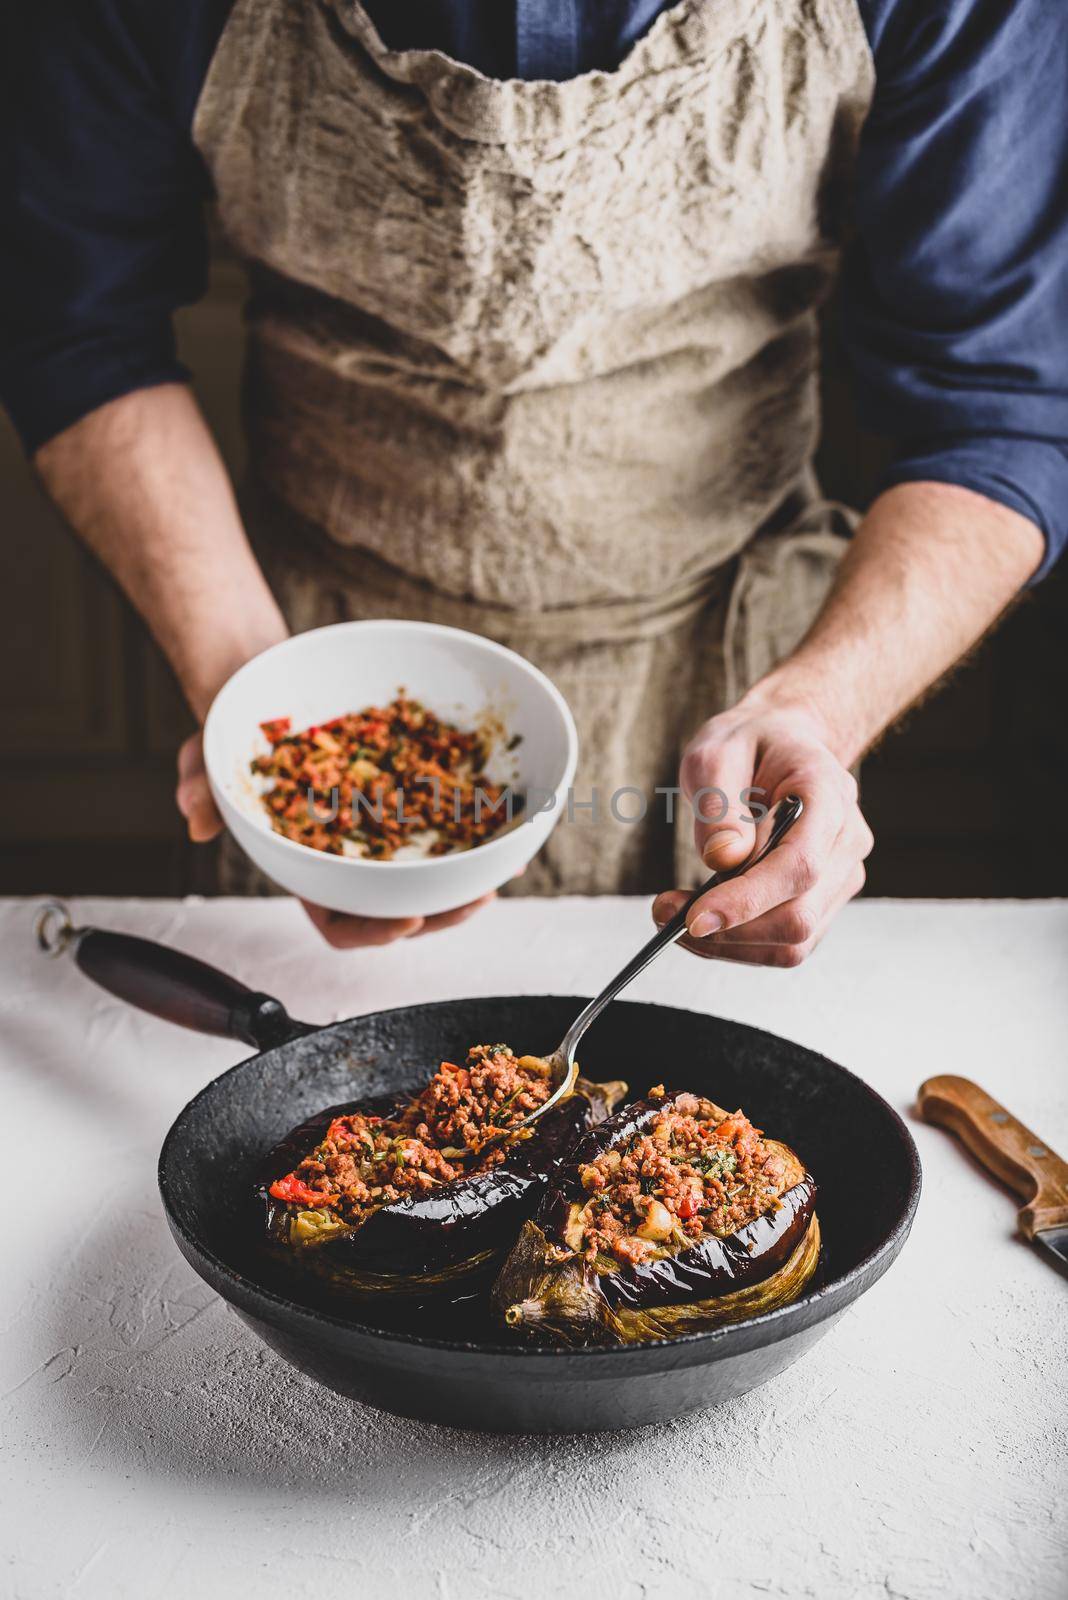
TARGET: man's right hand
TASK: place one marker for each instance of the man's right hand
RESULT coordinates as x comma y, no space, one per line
141,481
193,794
344,932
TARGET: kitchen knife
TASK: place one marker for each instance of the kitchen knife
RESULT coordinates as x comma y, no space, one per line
1012,1153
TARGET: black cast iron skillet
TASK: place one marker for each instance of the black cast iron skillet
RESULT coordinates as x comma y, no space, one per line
446,1361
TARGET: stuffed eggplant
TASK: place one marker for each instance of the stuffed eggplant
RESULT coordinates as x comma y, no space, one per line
411,1194
670,1217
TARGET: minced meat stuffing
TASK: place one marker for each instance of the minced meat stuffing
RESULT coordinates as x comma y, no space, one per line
381,779
365,1162
694,1170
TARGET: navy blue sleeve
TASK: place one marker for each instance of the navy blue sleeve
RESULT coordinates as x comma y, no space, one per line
102,195
955,294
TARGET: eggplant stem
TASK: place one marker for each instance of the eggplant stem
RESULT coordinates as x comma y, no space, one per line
524,1311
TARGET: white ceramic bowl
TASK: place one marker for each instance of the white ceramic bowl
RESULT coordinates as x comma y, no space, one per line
327,672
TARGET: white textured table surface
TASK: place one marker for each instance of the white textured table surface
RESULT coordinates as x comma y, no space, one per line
152,1447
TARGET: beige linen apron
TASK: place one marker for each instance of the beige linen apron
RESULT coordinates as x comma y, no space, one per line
540,359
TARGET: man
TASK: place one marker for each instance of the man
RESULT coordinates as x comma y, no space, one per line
532,351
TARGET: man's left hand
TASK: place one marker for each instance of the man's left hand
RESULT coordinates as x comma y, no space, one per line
776,914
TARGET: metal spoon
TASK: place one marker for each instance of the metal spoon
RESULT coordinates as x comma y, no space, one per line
562,1061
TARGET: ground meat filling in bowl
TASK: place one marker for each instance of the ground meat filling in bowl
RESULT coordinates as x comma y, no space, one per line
366,1162
694,1170
380,781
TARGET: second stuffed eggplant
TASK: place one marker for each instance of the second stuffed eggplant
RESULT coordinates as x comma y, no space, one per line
670,1217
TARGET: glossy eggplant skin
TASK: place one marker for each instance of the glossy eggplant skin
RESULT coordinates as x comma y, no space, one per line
718,1266
416,1244
552,1293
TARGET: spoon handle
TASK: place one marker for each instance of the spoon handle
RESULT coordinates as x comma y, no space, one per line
785,814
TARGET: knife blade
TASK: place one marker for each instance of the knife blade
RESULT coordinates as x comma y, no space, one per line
1053,1244
1015,1155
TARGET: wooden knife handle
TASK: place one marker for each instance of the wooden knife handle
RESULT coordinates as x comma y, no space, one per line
1005,1147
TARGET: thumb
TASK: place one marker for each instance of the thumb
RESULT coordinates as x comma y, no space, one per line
717,778
193,795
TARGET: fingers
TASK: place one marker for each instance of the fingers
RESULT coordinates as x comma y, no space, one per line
798,864
193,794
345,932
782,938
191,757
787,936
776,913
194,800
749,955
451,919
341,931
667,904
802,921
715,773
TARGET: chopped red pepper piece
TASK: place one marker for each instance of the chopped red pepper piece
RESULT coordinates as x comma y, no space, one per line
295,1192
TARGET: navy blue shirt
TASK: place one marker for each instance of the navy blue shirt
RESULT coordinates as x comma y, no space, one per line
955,291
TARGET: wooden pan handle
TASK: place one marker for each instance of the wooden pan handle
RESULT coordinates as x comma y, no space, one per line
1005,1147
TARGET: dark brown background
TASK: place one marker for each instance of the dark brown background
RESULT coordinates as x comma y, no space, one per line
964,800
